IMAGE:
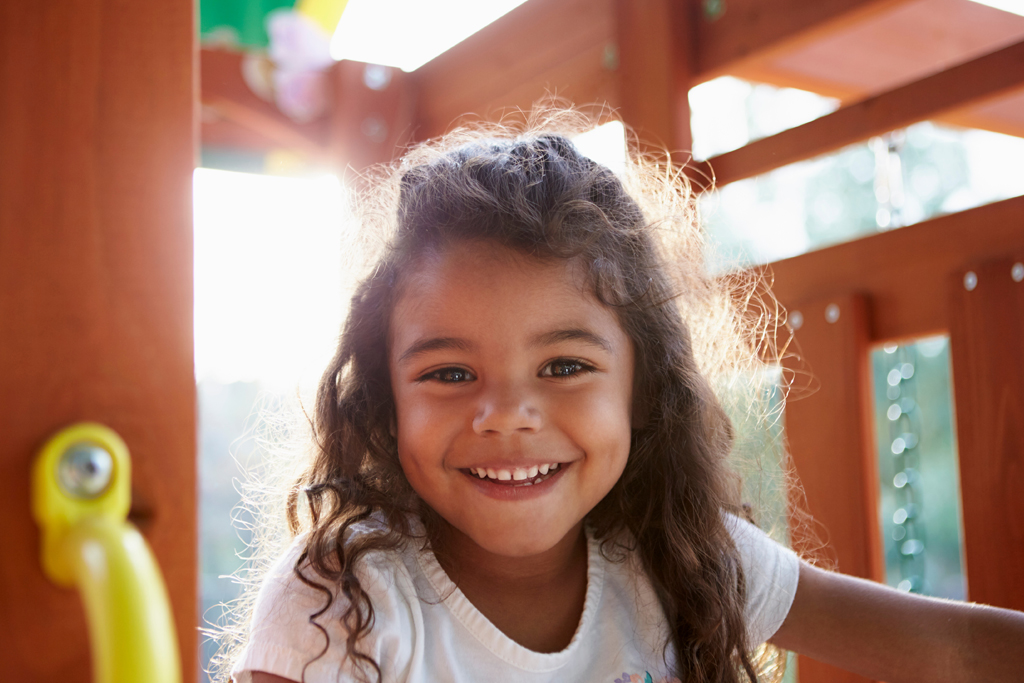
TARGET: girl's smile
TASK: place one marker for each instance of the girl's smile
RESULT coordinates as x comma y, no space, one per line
513,388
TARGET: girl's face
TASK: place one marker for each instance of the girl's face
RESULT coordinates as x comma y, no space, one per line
504,365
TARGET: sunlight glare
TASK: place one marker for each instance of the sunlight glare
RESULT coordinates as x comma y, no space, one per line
268,276
1011,6
409,33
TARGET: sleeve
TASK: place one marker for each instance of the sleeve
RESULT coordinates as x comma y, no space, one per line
771,572
283,641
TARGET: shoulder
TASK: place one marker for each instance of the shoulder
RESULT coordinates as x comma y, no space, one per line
298,616
770,573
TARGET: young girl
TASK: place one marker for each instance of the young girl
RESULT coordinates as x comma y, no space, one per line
520,467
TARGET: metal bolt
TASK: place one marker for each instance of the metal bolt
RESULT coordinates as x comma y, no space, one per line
832,313
713,9
376,77
1017,272
796,320
85,470
970,280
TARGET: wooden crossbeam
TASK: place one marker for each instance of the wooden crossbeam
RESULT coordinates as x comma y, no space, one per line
904,272
561,47
947,91
737,33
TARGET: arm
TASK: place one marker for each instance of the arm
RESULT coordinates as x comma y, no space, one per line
897,637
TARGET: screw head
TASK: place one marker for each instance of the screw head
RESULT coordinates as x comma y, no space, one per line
85,470
796,320
970,280
1017,272
832,313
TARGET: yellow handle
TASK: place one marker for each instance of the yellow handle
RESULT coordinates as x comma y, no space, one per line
81,489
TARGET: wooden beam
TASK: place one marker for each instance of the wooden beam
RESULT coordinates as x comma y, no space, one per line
947,91
97,102
832,448
543,47
903,272
987,348
369,125
735,34
234,116
655,45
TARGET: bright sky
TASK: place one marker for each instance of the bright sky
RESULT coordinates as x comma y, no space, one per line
1012,6
268,277
409,33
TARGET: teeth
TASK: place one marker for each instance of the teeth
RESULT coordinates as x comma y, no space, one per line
514,474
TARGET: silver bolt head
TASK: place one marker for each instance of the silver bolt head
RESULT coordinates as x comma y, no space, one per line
832,313
970,280
85,470
1017,272
796,320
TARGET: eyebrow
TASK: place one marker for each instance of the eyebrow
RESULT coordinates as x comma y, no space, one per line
422,346
571,334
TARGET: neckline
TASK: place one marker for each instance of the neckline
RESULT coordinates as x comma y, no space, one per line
491,637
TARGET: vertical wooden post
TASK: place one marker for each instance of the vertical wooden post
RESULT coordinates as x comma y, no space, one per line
656,57
96,117
371,115
830,439
986,331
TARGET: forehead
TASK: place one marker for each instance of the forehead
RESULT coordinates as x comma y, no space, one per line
490,289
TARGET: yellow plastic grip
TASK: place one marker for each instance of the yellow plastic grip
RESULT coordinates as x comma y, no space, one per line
80,499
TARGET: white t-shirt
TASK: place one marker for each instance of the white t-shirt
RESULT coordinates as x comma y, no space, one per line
425,630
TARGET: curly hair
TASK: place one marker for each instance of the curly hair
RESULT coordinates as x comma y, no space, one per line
637,238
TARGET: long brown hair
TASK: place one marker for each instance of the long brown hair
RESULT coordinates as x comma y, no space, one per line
638,239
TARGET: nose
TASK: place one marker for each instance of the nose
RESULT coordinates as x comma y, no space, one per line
506,409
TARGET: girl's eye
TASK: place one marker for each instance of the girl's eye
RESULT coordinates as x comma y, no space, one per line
565,367
453,375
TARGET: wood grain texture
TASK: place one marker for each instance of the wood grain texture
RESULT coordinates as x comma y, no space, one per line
987,349
947,91
96,114
832,448
368,126
904,271
541,48
755,30
655,39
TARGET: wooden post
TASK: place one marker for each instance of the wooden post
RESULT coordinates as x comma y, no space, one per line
986,334
371,115
655,47
830,439
96,115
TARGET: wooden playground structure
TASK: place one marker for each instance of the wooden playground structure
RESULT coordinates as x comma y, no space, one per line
103,106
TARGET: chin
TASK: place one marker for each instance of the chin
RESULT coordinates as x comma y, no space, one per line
519,543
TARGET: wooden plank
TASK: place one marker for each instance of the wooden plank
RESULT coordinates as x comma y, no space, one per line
369,125
749,31
96,107
234,116
904,271
655,45
947,91
832,446
987,347
526,49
